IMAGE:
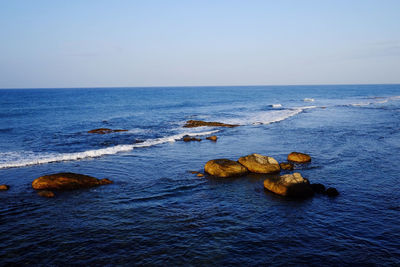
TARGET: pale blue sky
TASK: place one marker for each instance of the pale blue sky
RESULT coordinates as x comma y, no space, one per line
66,43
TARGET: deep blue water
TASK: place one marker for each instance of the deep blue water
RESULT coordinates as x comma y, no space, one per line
157,213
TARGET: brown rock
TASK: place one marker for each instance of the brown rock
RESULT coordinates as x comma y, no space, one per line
260,164
67,181
200,175
299,157
212,138
194,172
4,187
189,139
224,168
286,166
289,185
46,193
106,131
194,123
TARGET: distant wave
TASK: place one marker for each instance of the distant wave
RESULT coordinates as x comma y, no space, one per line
14,159
308,99
276,105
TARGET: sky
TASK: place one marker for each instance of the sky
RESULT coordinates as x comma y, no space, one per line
117,43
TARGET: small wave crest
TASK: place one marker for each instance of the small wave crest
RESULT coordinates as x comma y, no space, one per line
308,99
276,105
17,159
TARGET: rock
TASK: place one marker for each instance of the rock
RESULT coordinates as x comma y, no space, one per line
331,192
299,157
195,123
189,139
106,131
260,164
212,138
286,166
194,172
67,181
224,168
200,175
4,187
289,185
46,193
318,188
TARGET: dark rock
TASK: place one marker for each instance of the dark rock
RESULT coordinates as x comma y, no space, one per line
318,188
286,166
189,139
331,192
224,168
260,164
289,185
195,123
212,138
106,131
4,187
67,181
299,157
46,193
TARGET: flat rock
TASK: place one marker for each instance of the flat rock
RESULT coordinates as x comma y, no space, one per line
106,131
212,138
286,166
67,181
195,123
299,157
224,168
190,139
289,185
4,187
260,164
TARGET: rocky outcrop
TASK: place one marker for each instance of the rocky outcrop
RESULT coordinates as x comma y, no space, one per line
195,123
67,181
299,157
189,139
212,138
46,193
289,185
4,187
260,164
224,168
106,131
318,188
286,166
331,192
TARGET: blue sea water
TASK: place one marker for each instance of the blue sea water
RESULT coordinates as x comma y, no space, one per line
157,213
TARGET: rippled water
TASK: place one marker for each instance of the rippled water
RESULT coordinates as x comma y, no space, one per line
158,213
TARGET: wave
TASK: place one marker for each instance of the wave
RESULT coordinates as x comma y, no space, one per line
276,105
15,159
308,99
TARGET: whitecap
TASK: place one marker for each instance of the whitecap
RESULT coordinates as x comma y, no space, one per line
308,99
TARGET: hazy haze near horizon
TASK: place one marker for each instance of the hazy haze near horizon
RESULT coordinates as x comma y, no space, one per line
184,43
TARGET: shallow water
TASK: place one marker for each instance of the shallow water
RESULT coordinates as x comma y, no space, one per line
157,213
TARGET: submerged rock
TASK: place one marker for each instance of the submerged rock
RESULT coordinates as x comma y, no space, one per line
289,185
260,164
46,193
67,181
224,168
299,157
331,192
318,188
195,123
286,166
200,175
189,139
106,131
212,138
4,187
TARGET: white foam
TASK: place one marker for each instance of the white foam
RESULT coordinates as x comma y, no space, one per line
276,105
16,159
308,99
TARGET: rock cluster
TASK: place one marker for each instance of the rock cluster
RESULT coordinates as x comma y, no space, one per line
288,185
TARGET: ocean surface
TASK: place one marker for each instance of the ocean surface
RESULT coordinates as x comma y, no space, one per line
157,213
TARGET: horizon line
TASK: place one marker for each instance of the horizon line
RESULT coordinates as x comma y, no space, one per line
200,86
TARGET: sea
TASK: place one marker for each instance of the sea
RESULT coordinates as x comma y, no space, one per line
157,213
